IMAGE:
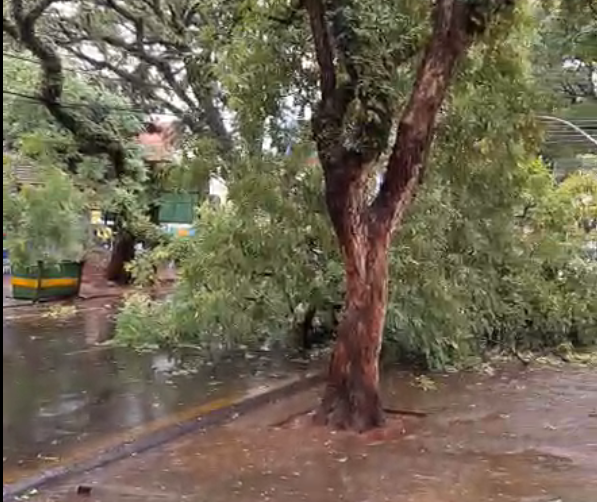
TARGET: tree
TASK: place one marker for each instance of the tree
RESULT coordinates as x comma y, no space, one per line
173,57
93,136
181,57
160,53
255,269
488,256
32,134
365,122
100,123
567,56
566,65
352,127
45,222
364,228
25,114
577,27
22,26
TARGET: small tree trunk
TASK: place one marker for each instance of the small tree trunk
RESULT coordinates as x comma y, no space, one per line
352,399
122,254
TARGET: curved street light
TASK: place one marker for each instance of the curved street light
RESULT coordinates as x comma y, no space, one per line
582,132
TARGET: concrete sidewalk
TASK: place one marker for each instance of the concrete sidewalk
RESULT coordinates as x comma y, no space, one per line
514,437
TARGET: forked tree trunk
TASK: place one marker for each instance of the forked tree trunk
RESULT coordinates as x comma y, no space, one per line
364,229
352,400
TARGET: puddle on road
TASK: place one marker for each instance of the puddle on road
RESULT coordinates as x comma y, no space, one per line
62,392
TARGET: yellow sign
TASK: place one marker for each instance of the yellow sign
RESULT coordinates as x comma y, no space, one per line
96,218
104,233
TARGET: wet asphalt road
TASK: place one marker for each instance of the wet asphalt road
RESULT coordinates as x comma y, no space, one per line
63,391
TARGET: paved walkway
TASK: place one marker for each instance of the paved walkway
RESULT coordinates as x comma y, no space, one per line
513,437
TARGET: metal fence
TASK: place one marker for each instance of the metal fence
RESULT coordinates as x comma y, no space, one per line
570,144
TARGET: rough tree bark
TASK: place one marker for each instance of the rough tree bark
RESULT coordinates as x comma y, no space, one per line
352,400
122,254
364,230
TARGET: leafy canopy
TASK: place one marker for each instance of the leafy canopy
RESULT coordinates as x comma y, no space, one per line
490,256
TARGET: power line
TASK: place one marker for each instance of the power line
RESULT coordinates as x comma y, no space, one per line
94,72
35,62
559,131
38,100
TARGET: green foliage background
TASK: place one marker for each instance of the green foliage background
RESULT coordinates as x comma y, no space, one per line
34,140
45,222
492,255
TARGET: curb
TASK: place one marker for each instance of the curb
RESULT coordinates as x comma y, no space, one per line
79,300
17,306
210,419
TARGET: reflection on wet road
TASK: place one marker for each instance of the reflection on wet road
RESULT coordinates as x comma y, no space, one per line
62,391
517,436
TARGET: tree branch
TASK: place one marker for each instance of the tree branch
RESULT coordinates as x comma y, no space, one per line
200,112
122,11
10,29
156,7
592,4
160,64
324,49
329,117
204,94
195,123
17,10
161,46
38,10
92,139
127,77
455,25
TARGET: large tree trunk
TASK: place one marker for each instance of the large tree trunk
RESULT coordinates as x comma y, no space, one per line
122,254
352,399
364,228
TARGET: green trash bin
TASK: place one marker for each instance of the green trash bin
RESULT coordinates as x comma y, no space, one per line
47,282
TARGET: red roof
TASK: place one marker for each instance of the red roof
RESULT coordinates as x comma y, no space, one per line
159,145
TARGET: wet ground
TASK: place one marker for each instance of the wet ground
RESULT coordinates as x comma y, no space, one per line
64,394
514,436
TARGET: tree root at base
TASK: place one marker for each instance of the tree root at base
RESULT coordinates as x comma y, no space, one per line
405,413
